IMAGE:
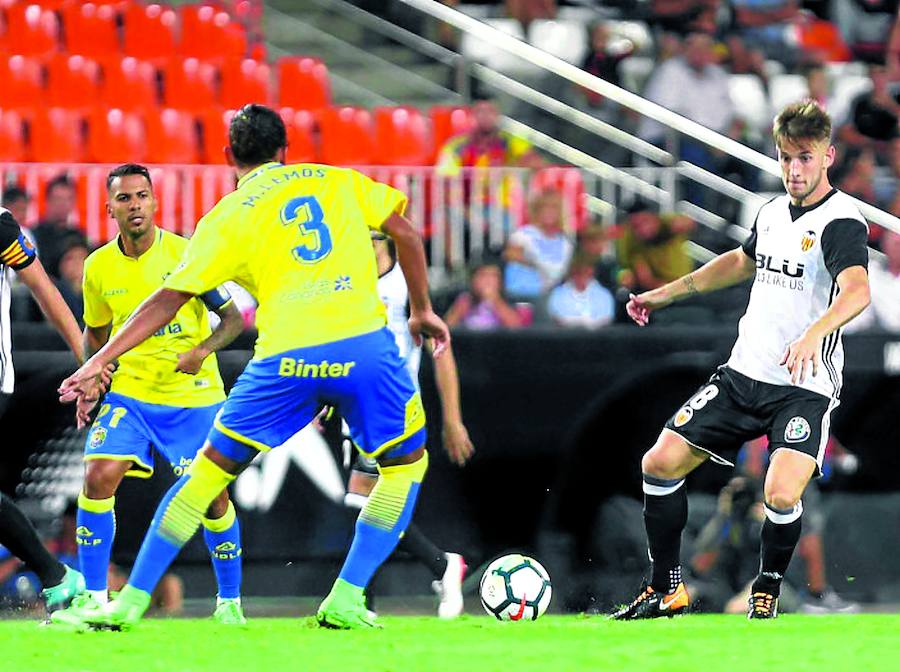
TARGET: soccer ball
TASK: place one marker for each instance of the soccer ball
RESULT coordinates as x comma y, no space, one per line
515,588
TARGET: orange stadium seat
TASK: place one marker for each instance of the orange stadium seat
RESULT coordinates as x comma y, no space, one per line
347,136
150,31
57,135
215,134
303,83
116,136
301,135
129,84
22,82
211,34
449,121
12,136
190,84
402,137
172,137
72,81
246,81
91,29
31,30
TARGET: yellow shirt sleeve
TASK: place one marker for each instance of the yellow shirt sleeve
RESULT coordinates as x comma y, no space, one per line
377,201
211,257
97,312
518,148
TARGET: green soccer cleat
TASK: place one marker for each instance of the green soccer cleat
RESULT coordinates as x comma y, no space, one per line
61,595
229,612
345,609
122,613
83,606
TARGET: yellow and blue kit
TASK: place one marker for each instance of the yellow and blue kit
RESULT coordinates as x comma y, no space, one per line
297,237
149,402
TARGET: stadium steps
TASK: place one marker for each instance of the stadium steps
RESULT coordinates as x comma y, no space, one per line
366,68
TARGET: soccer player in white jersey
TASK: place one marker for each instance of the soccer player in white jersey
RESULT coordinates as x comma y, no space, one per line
808,253
448,569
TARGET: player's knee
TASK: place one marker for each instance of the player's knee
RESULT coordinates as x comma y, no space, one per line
102,478
657,462
782,498
219,506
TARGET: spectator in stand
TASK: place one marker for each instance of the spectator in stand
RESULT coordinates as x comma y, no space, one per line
743,60
685,16
764,24
817,86
526,11
73,250
865,26
538,254
594,242
581,301
855,174
483,306
16,201
893,51
873,115
694,87
883,312
651,248
602,60
50,232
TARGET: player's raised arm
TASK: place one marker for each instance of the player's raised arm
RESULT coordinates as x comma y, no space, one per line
154,313
411,255
231,324
725,270
52,305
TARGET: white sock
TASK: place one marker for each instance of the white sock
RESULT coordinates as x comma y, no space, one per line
220,600
101,596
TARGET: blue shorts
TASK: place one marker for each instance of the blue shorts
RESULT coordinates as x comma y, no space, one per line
128,429
363,377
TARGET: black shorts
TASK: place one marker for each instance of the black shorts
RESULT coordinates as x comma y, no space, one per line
731,409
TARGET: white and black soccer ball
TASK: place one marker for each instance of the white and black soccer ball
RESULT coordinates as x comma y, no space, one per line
515,588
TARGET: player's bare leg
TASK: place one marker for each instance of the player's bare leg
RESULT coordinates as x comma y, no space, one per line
664,468
789,472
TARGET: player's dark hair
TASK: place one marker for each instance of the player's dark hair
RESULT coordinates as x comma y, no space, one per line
61,180
13,194
128,169
256,134
805,120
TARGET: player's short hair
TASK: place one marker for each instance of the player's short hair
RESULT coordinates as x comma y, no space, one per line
127,169
61,180
13,194
806,120
255,134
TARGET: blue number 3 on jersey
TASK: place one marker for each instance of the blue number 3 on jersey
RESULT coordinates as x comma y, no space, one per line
306,212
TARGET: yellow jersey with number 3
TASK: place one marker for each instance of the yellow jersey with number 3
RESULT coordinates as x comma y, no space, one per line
297,237
114,286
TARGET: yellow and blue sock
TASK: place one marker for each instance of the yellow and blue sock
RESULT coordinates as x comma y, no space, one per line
95,531
382,520
223,539
177,518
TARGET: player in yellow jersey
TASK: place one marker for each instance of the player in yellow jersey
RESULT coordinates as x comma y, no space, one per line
298,238
165,393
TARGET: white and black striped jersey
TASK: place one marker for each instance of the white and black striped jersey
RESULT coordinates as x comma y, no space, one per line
16,252
799,252
395,296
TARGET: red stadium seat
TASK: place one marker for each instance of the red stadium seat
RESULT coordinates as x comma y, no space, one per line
91,29
211,34
129,84
57,135
150,31
347,136
73,82
32,30
116,136
301,135
22,82
303,83
449,121
172,137
12,136
402,137
215,134
190,84
246,81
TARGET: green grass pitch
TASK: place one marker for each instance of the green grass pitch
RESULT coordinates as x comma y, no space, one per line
407,644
